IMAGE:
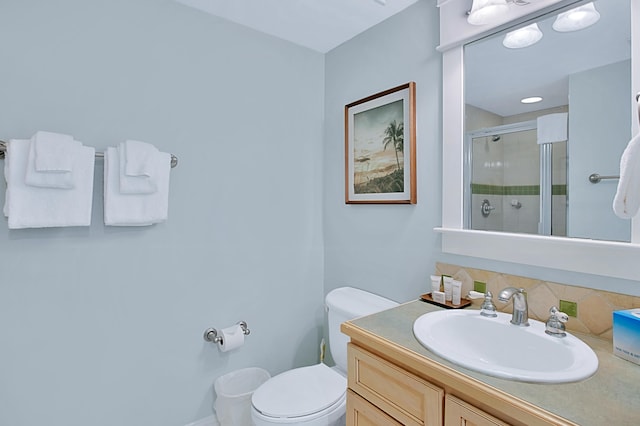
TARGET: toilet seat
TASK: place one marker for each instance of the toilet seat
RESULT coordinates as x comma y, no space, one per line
300,392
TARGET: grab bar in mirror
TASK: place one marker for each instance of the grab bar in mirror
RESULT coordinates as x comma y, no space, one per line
595,177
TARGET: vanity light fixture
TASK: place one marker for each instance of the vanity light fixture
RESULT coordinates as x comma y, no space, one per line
486,11
531,100
576,19
522,37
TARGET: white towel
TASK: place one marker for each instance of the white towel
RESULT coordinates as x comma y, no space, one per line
54,151
135,209
140,158
552,128
50,162
136,184
626,202
32,207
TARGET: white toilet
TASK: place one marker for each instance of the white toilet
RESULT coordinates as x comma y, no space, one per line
316,395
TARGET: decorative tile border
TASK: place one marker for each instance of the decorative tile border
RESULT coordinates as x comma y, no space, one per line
595,307
479,188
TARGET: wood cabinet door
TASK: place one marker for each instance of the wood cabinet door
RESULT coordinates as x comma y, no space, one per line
361,412
460,413
409,399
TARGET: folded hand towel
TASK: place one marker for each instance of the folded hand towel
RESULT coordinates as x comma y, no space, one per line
626,202
135,209
54,152
140,158
552,128
136,184
50,152
32,207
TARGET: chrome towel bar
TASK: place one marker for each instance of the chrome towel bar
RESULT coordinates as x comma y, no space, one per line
3,149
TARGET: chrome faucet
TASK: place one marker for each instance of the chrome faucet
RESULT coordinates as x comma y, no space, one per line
555,324
520,315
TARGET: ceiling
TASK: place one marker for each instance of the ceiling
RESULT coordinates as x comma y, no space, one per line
500,76
320,25
497,77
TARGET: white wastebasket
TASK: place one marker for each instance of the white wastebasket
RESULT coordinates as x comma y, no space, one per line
234,390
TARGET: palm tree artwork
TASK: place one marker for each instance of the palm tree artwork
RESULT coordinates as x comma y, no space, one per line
379,149
394,136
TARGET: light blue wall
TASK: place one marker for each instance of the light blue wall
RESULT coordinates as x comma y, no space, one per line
598,134
103,326
387,249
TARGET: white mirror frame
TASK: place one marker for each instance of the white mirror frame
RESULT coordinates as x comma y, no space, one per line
606,258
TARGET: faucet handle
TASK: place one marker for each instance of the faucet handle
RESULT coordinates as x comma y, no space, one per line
488,309
555,324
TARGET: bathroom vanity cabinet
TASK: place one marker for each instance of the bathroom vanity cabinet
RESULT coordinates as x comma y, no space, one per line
393,380
382,392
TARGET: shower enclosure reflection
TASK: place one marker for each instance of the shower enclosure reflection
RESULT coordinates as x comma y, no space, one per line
505,192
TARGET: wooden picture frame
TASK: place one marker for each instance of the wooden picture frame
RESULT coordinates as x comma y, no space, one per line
380,166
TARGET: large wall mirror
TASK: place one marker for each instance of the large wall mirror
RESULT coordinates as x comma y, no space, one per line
571,79
507,194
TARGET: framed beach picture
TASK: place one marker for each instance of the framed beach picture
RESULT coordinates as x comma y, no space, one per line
380,145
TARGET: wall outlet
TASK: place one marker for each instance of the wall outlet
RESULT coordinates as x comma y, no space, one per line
479,286
569,308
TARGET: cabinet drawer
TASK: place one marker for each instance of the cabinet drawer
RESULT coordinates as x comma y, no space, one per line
407,398
458,412
361,413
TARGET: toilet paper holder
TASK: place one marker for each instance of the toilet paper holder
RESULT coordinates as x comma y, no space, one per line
211,334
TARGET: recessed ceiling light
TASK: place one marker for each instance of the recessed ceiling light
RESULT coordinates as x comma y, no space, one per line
531,100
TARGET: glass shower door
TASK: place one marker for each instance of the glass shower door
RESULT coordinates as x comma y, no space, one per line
512,183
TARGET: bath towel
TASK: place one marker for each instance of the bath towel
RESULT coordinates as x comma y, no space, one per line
32,207
552,128
50,162
626,202
144,182
135,209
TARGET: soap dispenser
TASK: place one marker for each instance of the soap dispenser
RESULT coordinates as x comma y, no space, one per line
488,309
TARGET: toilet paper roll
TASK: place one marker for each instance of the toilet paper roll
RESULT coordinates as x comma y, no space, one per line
232,338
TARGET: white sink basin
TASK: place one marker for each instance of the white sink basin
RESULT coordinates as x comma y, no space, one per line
496,347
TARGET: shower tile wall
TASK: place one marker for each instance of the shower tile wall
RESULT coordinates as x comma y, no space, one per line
522,177
488,179
507,174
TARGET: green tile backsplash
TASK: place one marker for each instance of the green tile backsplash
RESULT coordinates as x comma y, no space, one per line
479,188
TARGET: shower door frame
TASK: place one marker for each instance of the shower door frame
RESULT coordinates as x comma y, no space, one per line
544,224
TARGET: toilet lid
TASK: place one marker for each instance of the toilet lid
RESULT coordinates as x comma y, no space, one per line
300,392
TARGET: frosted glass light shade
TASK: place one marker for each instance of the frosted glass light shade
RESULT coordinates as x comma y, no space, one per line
486,11
577,18
523,37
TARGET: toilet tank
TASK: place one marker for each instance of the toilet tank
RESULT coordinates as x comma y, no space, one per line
346,303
